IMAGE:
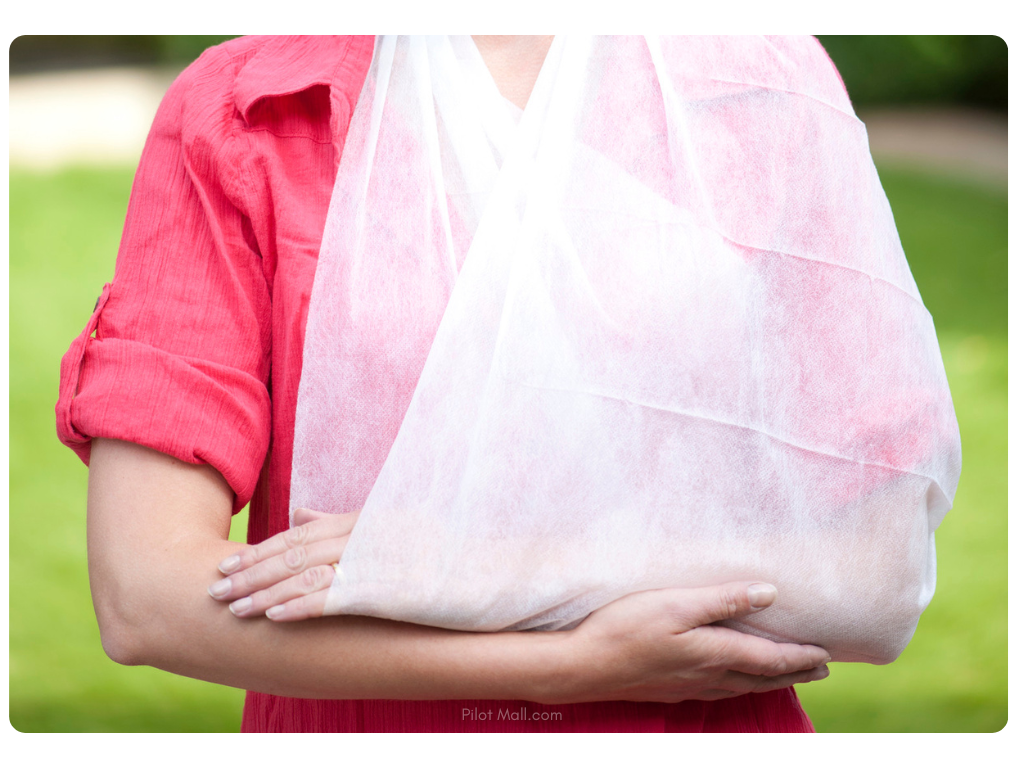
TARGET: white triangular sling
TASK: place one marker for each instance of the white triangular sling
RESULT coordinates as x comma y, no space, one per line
659,331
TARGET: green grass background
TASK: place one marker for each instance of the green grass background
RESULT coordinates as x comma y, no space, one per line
64,231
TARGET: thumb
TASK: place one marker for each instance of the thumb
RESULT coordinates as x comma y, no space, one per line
707,605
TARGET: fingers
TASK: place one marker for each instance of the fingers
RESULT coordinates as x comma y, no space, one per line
695,609
306,584
306,607
737,683
318,526
287,577
668,641
751,655
303,516
275,570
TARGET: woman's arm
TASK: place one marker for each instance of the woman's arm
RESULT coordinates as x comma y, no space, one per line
158,526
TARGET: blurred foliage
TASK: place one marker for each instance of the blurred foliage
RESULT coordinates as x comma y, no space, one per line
877,69
32,53
922,69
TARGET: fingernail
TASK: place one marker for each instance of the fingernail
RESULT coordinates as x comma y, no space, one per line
275,612
761,595
821,673
219,588
241,607
230,564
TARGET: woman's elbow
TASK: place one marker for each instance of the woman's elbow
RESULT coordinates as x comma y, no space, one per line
127,604
156,528
122,639
127,617
121,642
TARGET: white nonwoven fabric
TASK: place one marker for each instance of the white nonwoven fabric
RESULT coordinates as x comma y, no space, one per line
658,332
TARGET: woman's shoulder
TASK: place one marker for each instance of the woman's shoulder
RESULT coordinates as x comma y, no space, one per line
272,62
219,92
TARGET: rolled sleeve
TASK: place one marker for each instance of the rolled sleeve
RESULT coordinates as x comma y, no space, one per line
176,355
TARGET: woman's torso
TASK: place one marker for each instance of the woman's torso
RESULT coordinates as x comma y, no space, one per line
293,99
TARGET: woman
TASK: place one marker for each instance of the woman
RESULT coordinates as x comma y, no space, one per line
184,405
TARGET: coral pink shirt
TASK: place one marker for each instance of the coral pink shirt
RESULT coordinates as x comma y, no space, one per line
195,348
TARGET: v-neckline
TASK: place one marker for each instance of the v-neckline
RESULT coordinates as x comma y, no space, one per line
494,82
494,107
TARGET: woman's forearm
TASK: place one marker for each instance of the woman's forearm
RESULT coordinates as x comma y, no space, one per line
350,657
158,526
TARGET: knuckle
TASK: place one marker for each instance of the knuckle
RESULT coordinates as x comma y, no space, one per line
776,665
772,683
296,536
311,579
240,581
719,654
295,559
727,603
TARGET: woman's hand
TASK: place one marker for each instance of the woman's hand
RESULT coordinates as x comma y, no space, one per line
662,645
287,576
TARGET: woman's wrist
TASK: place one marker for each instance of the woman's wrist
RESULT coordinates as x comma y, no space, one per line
551,671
